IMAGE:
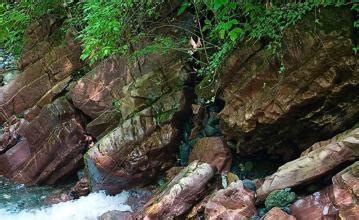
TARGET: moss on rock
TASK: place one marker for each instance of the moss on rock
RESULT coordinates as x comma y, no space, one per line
280,198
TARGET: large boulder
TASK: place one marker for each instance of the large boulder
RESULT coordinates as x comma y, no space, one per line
313,99
151,110
277,213
121,85
212,150
336,201
319,205
313,165
346,192
48,148
181,193
233,202
133,153
40,82
94,93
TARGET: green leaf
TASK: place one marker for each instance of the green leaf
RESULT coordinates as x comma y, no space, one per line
183,7
236,33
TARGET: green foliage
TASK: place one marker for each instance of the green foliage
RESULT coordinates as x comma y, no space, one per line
13,22
113,27
117,26
15,17
355,8
280,198
228,23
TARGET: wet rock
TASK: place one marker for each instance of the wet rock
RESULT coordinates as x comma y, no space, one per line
118,215
82,188
7,61
214,151
346,192
317,94
8,76
233,202
51,146
138,198
277,213
316,206
122,160
181,193
58,198
312,165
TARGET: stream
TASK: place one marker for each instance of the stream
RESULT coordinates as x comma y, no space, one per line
20,202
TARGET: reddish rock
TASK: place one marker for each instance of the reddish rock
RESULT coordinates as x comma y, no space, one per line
58,198
132,162
118,215
104,123
181,193
319,205
113,81
198,210
82,188
233,202
145,141
94,93
40,82
312,165
346,192
197,120
138,198
312,96
277,214
51,146
214,151
10,135
37,32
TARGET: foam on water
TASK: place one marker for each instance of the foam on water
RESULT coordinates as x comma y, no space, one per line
85,208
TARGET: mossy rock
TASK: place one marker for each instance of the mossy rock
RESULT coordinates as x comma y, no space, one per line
280,198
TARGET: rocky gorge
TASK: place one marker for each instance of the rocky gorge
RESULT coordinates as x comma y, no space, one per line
270,146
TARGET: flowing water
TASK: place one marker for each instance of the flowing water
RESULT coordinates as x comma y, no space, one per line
19,202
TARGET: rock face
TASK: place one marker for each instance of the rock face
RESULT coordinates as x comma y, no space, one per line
82,188
313,165
93,94
277,213
317,94
45,74
49,147
346,192
181,193
317,206
147,136
336,201
214,151
233,202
